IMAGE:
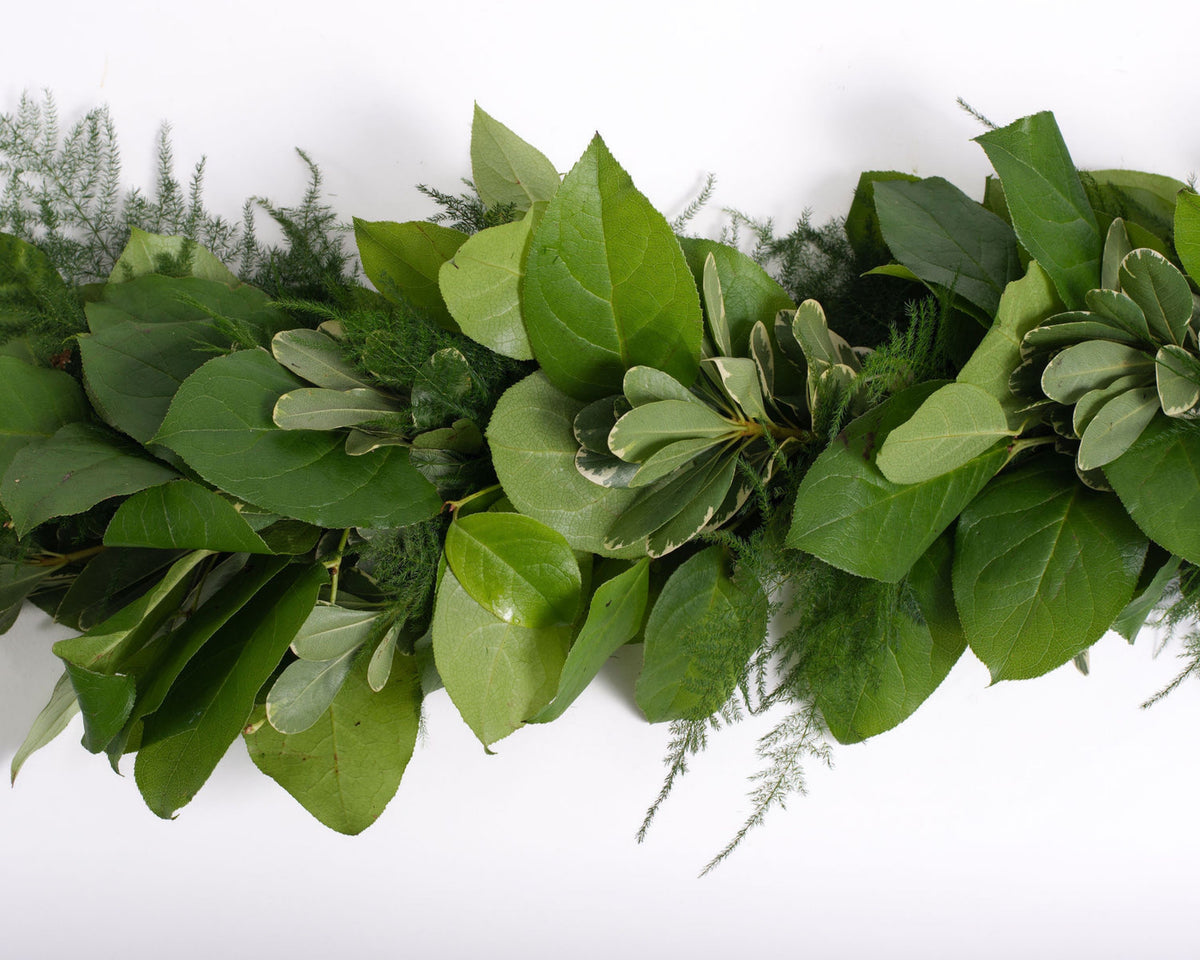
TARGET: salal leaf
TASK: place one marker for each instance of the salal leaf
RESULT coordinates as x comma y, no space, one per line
698,600
1115,426
946,238
1177,375
1158,481
615,616
481,287
1162,292
606,285
331,631
862,222
498,674
147,253
643,385
304,691
851,516
957,423
209,703
48,724
1042,567
533,450
1049,208
220,423
36,401
72,471
402,261
346,767
748,292
1187,232
517,568
647,429
316,357
182,515
1091,365
316,408
506,169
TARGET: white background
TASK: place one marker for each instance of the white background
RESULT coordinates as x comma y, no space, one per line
1048,818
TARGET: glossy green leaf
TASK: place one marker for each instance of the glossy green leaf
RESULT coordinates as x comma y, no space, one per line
317,358
347,766
147,253
954,425
851,516
1091,365
182,515
1187,232
517,568
1042,567
533,450
1050,211
48,724
36,401
497,674
402,260
1177,375
1115,426
946,238
209,703
481,286
1153,282
506,169
109,581
220,423
645,430
606,284
72,471
615,617
1158,481
331,631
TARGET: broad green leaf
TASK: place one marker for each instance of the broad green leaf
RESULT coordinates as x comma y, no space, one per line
220,423
105,700
1091,365
1158,481
606,284
646,385
1042,567
72,471
957,423
182,515
497,674
147,253
316,408
1187,232
947,239
49,723
681,677
1153,282
658,505
1147,200
862,222
1148,594
316,357
481,286
645,430
304,691
36,401
615,617
1050,211
506,169
331,631
517,568
1115,426
1177,375
154,299
402,260
533,450
211,700
347,766
851,516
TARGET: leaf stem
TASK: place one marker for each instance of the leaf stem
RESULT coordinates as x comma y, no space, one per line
335,566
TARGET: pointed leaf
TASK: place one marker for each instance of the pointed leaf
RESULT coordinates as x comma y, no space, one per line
317,358
182,515
49,723
506,169
36,401
402,261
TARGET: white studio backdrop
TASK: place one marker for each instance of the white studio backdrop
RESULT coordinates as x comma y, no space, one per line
1047,818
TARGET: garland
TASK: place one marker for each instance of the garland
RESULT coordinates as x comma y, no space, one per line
281,505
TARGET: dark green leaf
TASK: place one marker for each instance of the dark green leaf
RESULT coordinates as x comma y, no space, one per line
1187,232
862,222
182,515
402,260
36,401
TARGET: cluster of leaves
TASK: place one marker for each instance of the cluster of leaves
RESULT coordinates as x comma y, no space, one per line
289,510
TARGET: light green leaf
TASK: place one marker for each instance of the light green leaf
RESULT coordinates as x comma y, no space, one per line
670,458
1177,374
1042,567
315,408
957,423
1118,310
209,703
105,700
851,516
347,766
379,670
36,401
1091,402
533,450
615,616
1187,232
1115,426
72,471
1091,365
714,308
154,299
645,430
1155,285
517,568
481,286
220,423
147,253
330,632
506,169
317,358
699,513
49,723
497,674
606,284
182,515
740,382
1050,211
1116,247
304,691
402,260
